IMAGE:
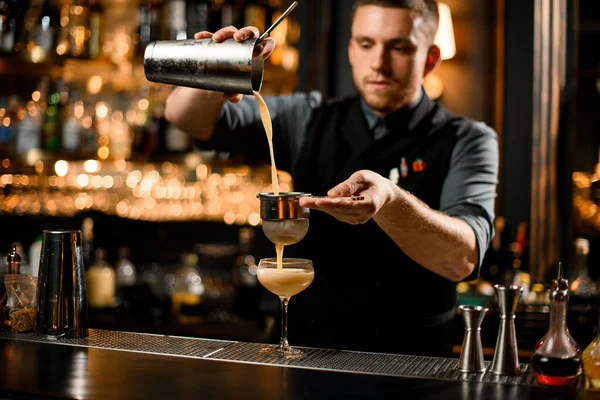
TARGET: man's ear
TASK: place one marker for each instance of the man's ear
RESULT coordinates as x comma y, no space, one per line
434,59
350,50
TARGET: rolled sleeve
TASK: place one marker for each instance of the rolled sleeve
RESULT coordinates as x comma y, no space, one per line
469,190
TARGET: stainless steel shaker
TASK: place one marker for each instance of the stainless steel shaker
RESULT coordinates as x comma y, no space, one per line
506,357
228,66
62,309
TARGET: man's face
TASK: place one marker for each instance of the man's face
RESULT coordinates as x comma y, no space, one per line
388,51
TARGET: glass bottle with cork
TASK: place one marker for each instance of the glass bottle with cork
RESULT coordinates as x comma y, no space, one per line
557,360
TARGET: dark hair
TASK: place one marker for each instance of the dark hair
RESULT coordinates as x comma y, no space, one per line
427,9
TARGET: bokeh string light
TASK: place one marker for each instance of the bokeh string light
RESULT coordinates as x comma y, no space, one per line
165,192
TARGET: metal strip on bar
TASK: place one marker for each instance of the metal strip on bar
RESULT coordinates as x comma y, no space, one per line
134,342
315,359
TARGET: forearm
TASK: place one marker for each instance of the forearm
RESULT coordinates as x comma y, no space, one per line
194,111
444,245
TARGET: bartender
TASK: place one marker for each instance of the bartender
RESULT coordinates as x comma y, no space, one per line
386,266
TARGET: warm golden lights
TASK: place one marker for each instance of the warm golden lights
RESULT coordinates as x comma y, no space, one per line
163,192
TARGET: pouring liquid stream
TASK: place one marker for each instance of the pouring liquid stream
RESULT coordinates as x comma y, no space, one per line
266,120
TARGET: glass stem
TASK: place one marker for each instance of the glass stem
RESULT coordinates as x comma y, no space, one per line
284,322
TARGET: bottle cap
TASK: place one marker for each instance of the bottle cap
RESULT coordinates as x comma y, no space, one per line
13,260
560,287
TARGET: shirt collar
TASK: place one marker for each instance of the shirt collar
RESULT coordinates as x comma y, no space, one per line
397,116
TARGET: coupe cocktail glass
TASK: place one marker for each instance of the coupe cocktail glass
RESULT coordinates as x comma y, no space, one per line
295,276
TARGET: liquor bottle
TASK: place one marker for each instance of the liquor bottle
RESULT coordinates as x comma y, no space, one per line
255,15
514,263
29,132
214,19
583,285
227,14
248,292
46,32
71,132
591,361
87,244
188,290
125,270
521,239
79,29
28,32
176,140
556,283
13,15
197,17
96,28
35,252
177,19
557,361
150,143
5,131
100,282
595,187
149,25
63,41
52,120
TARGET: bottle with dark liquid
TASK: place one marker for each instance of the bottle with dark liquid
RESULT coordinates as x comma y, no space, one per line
557,360
556,283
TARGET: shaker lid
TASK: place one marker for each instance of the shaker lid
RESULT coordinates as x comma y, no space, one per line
13,260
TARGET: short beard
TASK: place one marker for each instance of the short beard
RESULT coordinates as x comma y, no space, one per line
384,106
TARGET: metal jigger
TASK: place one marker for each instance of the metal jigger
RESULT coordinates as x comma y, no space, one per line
284,221
471,356
506,357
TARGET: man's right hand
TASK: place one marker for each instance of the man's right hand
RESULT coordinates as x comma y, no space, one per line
263,49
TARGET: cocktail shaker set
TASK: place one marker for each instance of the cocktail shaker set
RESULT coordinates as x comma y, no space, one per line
53,303
506,357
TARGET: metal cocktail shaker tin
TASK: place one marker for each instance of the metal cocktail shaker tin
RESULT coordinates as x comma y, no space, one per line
61,296
228,66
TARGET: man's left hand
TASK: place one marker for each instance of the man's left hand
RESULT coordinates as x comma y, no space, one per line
375,189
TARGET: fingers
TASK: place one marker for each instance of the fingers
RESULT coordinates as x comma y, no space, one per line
224,33
246,33
347,188
358,182
265,48
233,97
203,35
332,204
239,35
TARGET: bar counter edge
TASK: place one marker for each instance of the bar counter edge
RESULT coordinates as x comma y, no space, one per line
123,365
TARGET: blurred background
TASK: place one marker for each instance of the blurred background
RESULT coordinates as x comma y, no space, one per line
172,235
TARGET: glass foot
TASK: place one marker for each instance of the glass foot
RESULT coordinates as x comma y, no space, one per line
287,352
